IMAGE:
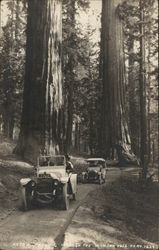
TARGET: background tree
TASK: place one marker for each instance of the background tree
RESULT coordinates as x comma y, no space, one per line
73,56
83,118
114,125
82,76
12,67
140,35
0,16
42,97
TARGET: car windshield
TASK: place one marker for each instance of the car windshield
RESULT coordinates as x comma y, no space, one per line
96,163
51,161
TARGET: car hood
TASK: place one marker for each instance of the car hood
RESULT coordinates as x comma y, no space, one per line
55,173
95,169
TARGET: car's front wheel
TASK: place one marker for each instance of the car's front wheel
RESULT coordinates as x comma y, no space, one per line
65,198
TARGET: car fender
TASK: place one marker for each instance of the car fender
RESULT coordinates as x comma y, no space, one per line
64,179
24,181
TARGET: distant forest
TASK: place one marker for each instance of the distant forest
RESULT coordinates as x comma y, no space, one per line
63,90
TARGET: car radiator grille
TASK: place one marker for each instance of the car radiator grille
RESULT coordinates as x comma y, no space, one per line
92,175
45,186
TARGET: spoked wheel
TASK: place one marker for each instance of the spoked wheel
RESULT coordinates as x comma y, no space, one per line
26,201
65,198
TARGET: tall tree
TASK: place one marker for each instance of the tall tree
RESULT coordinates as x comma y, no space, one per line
114,125
12,66
72,56
0,16
128,12
42,97
140,29
70,21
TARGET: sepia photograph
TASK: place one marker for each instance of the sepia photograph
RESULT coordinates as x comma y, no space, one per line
79,132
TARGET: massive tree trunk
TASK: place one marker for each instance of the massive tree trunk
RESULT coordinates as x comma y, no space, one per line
0,17
114,125
42,98
133,98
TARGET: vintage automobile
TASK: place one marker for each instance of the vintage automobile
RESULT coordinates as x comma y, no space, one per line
51,183
96,171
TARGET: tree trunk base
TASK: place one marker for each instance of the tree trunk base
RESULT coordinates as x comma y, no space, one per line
28,147
125,156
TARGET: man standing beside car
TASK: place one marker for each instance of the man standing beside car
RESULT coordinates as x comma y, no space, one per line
69,165
69,170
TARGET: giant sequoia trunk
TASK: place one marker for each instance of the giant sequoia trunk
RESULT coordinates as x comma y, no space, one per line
42,98
133,99
0,16
114,126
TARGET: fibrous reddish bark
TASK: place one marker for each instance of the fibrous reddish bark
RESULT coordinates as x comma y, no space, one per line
42,97
114,124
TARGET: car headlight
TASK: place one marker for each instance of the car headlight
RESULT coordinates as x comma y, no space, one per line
56,182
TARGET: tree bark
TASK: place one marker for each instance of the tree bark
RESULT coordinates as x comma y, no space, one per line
76,136
42,97
133,99
69,116
0,18
114,124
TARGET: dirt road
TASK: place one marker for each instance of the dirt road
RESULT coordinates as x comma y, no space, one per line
38,228
43,228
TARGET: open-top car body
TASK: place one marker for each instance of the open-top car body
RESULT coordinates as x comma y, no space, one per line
51,183
96,171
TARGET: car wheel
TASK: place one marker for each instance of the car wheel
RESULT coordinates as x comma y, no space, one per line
26,202
65,198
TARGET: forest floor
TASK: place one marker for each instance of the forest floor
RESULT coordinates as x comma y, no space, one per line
120,215
12,170
117,215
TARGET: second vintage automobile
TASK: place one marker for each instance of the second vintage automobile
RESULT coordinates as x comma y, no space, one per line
96,171
51,183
